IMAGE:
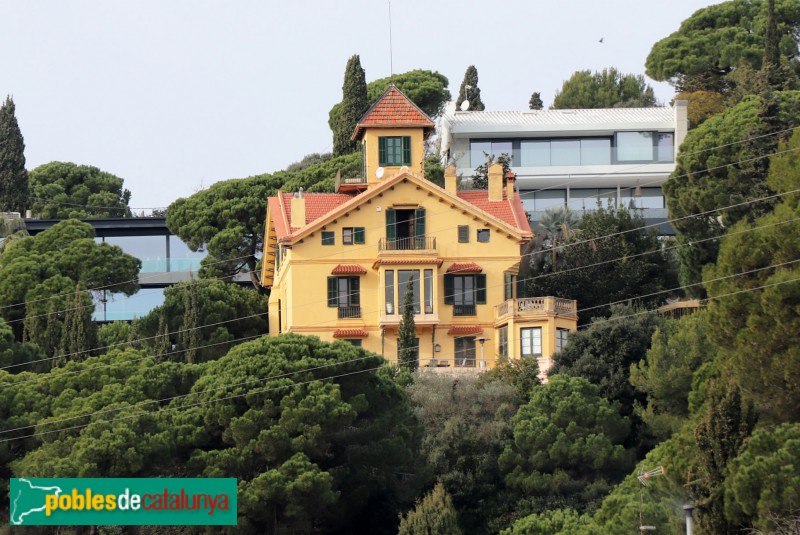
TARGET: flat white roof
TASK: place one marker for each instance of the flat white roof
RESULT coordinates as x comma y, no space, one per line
543,121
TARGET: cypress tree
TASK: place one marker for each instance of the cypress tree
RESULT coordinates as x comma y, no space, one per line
470,91
162,343
353,106
535,103
407,332
435,514
190,334
13,176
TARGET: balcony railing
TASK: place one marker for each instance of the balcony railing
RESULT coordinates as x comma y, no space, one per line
464,310
532,306
349,312
419,243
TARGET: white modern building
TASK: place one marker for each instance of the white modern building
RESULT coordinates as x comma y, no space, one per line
574,157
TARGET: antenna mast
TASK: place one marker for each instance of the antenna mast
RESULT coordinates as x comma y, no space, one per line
391,65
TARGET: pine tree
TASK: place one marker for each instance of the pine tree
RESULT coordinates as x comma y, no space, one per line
353,106
407,332
434,515
535,103
13,176
470,91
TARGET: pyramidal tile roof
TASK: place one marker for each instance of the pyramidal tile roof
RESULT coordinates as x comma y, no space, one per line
393,110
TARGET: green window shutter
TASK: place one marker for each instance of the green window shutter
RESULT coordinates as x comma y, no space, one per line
449,289
354,298
358,235
391,224
381,151
406,150
332,291
419,227
480,289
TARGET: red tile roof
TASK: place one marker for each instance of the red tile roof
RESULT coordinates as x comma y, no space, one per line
508,210
465,267
349,269
465,329
350,333
393,110
317,205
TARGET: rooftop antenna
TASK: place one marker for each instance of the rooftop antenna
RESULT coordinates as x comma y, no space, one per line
391,64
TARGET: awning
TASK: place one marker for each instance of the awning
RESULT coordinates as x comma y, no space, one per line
465,329
350,333
405,261
464,267
349,269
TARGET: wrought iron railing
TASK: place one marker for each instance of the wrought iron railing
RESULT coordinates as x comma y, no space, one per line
464,310
417,243
349,312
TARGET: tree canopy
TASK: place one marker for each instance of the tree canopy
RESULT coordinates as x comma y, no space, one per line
62,190
608,88
716,40
470,91
724,162
566,427
609,258
426,89
227,219
433,514
13,176
302,411
40,275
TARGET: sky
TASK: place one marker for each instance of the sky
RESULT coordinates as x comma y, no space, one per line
174,95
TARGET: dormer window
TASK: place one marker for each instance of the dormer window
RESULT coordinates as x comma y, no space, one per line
394,151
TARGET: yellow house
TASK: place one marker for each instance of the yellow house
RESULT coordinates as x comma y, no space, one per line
338,264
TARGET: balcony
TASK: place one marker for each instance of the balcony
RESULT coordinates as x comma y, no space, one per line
349,312
465,310
418,243
393,320
344,185
536,307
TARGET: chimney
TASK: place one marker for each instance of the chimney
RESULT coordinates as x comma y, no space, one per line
298,209
510,179
450,179
496,182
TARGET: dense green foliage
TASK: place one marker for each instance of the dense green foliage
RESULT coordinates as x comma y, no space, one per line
567,446
13,176
467,423
756,331
603,355
62,190
610,258
290,440
664,378
232,313
763,482
353,106
561,521
433,515
722,163
608,88
426,89
470,91
39,278
716,40
227,219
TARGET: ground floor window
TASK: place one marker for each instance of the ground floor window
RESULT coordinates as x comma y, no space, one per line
465,351
502,335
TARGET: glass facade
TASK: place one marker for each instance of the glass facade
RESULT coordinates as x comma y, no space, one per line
117,307
619,148
159,254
